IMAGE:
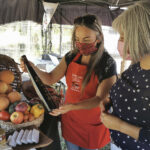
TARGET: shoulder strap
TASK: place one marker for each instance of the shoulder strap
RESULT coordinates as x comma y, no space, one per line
76,57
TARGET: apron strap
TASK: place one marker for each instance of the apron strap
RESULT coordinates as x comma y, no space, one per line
76,57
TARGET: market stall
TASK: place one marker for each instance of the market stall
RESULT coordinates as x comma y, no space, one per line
22,109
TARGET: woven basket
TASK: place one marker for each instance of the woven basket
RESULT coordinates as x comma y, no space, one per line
9,126
7,63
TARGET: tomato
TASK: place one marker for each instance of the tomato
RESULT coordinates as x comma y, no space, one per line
17,117
4,115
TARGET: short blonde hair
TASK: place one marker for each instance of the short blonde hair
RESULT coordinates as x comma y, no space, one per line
135,24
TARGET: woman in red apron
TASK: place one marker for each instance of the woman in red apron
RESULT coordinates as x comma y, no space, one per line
90,73
81,124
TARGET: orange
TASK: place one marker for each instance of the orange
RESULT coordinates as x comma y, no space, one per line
4,102
3,87
14,96
7,76
10,89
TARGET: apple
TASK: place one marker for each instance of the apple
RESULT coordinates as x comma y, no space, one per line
17,117
4,115
21,107
34,101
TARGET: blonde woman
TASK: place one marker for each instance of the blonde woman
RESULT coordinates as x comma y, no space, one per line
90,73
130,95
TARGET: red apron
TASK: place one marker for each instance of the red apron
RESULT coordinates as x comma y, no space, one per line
83,127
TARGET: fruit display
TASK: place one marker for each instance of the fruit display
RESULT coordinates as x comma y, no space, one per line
30,93
12,107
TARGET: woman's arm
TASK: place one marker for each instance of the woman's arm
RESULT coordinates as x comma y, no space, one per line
101,94
116,123
51,77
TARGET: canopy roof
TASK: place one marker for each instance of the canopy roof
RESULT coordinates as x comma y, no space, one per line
18,10
120,3
70,9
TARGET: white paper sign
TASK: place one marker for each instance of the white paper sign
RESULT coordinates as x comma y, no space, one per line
50,9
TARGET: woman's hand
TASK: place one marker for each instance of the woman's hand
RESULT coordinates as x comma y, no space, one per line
62,109
23,67
104,104
111,121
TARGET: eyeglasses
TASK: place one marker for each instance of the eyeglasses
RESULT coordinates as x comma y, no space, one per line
88,19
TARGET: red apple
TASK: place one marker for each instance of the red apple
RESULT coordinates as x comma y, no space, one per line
17,117
4,115
34,101
21,107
